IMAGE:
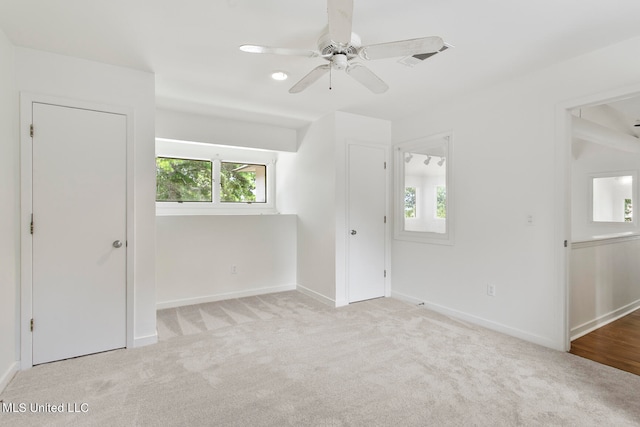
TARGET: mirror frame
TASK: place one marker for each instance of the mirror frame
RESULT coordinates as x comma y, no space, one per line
444,140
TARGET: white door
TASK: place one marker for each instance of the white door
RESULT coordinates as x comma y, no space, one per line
79,216
367,200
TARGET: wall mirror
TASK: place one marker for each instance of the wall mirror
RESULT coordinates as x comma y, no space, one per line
612,197
424,190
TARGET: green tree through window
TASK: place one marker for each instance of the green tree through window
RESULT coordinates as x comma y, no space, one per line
241,182
183,180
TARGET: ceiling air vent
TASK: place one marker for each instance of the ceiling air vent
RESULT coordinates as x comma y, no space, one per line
412,61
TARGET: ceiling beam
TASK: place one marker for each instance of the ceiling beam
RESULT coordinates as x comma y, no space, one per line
592,132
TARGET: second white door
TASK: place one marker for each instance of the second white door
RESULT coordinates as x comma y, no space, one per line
366,222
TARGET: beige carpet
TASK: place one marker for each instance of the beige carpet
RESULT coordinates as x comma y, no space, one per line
287,360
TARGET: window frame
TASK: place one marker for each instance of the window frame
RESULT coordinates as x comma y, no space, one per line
246,164
218,154
634,196
445,142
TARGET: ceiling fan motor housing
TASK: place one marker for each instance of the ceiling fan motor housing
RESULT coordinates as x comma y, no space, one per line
329,48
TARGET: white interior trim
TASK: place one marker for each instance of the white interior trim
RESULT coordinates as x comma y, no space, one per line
603,320
319,297
604,240
6,378
144,341
26,208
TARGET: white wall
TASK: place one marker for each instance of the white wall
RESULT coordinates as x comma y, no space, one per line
195,255
286,178
315,171
216,130
512,128
594,159
56,75
9,214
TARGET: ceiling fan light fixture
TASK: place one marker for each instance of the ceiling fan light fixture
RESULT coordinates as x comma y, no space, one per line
249,48
279,76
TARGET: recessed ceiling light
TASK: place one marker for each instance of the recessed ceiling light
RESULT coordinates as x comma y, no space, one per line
279,75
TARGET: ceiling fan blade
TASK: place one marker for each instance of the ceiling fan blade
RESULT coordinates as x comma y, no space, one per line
367,78
251,48
340,19
310,78
401,48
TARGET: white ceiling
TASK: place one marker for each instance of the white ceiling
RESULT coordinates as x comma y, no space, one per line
192,47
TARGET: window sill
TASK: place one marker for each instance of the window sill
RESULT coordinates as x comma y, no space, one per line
182,210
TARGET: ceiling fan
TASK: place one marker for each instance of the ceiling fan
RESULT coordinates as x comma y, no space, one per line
340,47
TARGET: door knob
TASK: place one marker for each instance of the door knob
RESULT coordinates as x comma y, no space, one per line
117,244
354,232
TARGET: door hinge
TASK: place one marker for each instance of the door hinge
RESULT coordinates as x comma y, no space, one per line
385,273
31,225
385,219
31,131
385,163
566,244
31,325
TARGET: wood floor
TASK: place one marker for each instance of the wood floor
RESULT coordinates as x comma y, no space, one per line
616,344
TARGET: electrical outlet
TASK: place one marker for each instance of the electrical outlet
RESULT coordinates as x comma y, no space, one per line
491,290
234,270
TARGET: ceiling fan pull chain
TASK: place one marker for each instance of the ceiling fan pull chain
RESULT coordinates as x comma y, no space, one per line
330,74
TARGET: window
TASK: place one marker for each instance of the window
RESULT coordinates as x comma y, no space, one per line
243,183
201,179
424,190
612,197
183,180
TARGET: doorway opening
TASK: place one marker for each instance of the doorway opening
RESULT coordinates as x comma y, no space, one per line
602,273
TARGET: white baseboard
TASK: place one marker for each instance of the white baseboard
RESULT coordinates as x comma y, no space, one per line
603,320
315,295
406,298
224,296
485,323
148,340
6,378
